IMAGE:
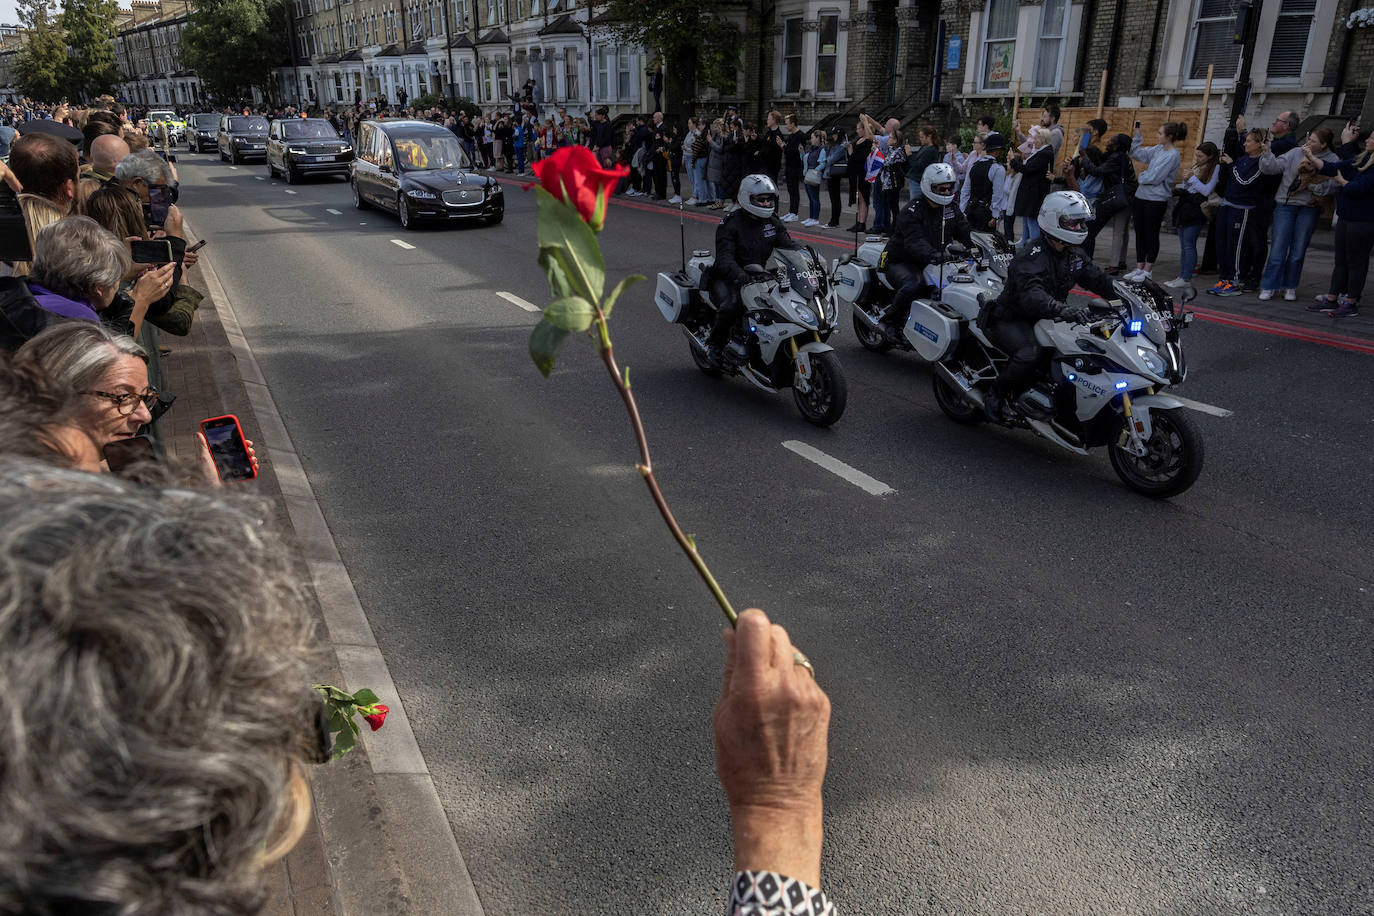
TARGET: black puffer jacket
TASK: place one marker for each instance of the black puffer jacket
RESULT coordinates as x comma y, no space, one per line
1040,280
922,233
742,238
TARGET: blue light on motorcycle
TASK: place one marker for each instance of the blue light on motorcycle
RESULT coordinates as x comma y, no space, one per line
1122,385
1070,376
1133,328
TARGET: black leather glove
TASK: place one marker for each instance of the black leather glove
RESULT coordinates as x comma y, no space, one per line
1078,314
758,276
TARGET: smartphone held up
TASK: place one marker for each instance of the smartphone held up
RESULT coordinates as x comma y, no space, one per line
228,448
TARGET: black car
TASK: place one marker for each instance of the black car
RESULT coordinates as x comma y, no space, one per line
419,171
242,137
306,146
202,132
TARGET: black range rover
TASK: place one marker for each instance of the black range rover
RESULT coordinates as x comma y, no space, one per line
242,137
306,146
420,172
202,131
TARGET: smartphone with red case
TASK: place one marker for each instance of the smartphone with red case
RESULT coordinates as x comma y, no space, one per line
228,448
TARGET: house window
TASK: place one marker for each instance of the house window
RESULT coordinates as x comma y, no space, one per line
791,56
1288,52
469,89
827,53
1049,51
625,76
999,43
570,74
1213,29
603,73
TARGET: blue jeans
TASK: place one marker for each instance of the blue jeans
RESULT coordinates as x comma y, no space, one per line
1187,246
701,188
879,209
1293,228
1030,228
519,159
813,201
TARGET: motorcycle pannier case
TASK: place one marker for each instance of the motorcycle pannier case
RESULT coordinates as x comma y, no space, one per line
853,281
933,328
673,297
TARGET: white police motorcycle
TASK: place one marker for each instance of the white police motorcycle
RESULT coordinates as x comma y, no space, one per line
790,312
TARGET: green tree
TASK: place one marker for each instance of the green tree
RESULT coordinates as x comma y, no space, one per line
699,47
89,69
39,65
235,44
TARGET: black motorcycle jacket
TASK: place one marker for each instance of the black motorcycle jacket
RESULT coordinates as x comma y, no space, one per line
1039,281
922,232
742,238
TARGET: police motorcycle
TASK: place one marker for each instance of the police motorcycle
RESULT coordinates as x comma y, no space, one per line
965,274
1103,385
791,311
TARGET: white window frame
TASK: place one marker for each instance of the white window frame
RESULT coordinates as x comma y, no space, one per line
797,54
601,66
984,41
626,53
820,32
1041,38
1279,16
1193,30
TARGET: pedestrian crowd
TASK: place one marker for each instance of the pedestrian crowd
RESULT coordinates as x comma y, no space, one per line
156,651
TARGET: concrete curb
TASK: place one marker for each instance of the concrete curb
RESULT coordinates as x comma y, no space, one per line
380,804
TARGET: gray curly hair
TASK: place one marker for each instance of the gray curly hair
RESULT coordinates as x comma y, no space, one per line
154,659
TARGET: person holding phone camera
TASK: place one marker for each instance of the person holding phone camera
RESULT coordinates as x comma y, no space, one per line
1354,241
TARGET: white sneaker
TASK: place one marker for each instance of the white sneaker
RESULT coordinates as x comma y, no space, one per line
1133,274
1145,275
691,202
1266,294
788,217
809,222
675,199
1178,283
1290,295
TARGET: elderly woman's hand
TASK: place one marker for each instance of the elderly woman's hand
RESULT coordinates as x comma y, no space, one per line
152,286
174,223
771,726
208,469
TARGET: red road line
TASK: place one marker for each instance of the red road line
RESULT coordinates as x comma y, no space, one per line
1228,319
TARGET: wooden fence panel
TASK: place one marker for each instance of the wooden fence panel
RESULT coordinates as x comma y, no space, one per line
1122,121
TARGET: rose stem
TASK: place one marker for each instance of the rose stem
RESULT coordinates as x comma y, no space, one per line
646,469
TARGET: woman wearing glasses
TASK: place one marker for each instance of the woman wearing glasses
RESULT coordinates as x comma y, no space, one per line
108,371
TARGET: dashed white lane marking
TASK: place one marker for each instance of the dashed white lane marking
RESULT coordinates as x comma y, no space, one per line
260,177
332,210
289,191
517,301
234,167
1201,407
399,244
837,467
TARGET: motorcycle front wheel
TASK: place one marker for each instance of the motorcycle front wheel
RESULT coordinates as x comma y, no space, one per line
824,403
870,338
1174,458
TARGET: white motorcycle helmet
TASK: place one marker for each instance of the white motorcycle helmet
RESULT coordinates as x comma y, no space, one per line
1065,216
758,195
937,183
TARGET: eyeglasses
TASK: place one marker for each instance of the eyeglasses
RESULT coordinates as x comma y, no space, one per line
128,402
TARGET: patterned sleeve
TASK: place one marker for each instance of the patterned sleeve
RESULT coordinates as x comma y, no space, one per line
767,893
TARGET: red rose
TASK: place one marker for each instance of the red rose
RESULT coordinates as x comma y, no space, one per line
376,719
574,176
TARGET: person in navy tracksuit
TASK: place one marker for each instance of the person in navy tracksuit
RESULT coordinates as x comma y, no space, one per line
1240,247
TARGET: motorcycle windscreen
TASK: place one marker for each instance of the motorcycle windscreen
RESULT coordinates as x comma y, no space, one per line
804,276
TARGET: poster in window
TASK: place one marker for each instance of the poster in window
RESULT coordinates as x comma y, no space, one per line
1000,55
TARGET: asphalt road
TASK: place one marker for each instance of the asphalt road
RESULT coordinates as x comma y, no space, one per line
1050,694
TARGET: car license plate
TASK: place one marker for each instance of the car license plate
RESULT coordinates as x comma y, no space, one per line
320,158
